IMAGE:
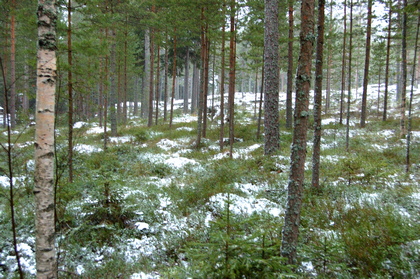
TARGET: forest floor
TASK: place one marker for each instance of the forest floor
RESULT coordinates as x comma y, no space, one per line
153,206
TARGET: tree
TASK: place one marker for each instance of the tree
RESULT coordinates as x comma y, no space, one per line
290,232
113,84
410,103
8,148
289,109
186,78
70,91
232,74
318,94
146,76
343,63
388,50
222,81
46,264
349,77
173,79
367,61
151,77
403,70
13,80
271,78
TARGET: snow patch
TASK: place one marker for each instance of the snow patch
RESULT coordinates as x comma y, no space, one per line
142,226
80,124
179,162
95,130
84,148
143,275
167,144
249,205
121,139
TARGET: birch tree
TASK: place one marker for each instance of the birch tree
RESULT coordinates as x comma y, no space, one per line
46,264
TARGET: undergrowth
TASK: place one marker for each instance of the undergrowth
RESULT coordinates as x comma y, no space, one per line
129,210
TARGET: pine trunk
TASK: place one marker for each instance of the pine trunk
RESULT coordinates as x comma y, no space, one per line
403,71
70,92
206,82
186,78
410,103
367,62
271,82
195,89
201,89
290,231
157,86
151,80
232,76
165,93
349,78
173,81
146,76
113,89
222,83
388,50
316,154
289,96
343,64
12,103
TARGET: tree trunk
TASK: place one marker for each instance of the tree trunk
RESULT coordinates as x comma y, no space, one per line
146,76
232,76
173,82
201,92
349,78
388,50
124,119
330,60
165,94
206,82
316,155
106,90
367,62
343,64
70,91
195,89
410,104
403,70
290,231
136,94
260,104
46,264
101,96
186,77
9,150
119,89
113,91
271,81
12,103
157,86
289,96
151,80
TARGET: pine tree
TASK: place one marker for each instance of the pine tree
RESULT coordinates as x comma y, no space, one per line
318,95
271,81
289,108
367,63
290,232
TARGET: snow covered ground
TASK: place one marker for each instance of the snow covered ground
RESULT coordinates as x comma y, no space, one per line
156,237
